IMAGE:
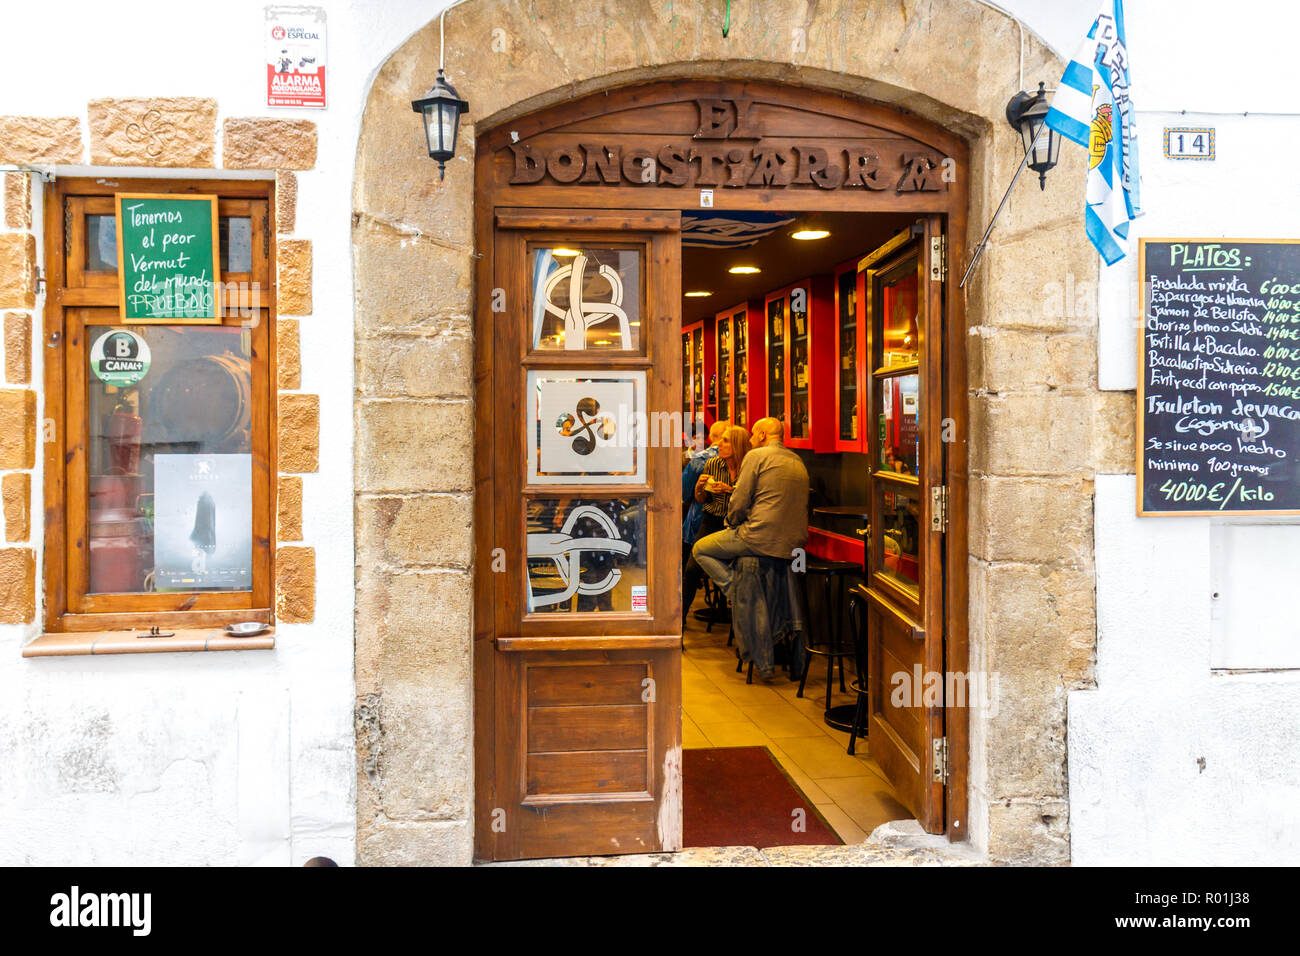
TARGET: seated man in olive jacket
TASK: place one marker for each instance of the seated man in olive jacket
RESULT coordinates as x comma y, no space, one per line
768,514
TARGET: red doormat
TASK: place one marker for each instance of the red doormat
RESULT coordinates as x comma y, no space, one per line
740,796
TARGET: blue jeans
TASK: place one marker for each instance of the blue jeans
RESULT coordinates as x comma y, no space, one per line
715,553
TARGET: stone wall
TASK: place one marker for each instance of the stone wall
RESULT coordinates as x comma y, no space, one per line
1040,429
18,426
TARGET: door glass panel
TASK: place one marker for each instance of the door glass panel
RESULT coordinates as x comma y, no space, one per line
899,428
742,370
169,445
586,554
724,370
587,428
848,358
236,235
586,298
776,359
899,312
799,360
901,517
101,243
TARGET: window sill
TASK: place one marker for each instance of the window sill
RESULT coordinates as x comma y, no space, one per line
94,643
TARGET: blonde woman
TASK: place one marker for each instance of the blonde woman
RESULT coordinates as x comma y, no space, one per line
713,492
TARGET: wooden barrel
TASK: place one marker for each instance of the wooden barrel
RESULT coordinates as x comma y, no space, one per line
207,400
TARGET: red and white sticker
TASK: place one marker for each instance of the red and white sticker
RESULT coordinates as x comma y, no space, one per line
295,57
638,597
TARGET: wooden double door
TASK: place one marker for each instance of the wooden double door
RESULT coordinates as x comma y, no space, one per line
579,436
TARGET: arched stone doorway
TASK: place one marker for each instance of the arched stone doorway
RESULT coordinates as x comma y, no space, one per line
1036,416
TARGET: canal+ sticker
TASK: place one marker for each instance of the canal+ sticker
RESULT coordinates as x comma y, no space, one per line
120,357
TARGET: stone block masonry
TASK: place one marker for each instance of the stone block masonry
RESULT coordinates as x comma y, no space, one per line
1039,429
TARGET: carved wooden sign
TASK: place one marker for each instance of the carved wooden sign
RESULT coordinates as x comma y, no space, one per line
728,149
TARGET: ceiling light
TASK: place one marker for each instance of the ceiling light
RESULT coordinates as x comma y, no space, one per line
744,270
565,252
699,294
810,234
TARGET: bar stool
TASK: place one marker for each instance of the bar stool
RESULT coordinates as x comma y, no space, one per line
822,637
858,633
716,609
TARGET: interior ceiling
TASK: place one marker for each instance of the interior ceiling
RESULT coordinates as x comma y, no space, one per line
783,260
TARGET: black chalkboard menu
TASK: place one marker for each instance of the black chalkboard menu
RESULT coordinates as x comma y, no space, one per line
1219,377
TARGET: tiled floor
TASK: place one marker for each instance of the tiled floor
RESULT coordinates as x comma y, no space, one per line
721,710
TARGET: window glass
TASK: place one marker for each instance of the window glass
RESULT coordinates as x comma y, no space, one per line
899,429
101,243
169,445
235,235
589,429
742,370
586,299
848,357
776,359
236,238
899,305
901,516
586,554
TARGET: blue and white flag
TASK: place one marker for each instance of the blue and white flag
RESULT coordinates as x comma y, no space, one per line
1092,107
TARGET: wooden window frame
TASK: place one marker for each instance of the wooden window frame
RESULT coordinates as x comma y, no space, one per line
70,290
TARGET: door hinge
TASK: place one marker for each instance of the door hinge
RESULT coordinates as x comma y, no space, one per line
940,759
938,259
939,508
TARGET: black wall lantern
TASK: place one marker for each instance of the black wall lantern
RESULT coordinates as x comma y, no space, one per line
441,107
1025,113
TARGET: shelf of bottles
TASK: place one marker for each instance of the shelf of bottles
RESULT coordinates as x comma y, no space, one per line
850,346
800,343
741,372
726,368
699,380
775,308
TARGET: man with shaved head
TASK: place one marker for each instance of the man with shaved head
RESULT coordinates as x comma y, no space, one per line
768,513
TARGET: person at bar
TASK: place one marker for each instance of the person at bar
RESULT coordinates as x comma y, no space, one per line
768,511
694,467
713,493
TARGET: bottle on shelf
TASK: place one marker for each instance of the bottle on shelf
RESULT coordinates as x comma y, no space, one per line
853,423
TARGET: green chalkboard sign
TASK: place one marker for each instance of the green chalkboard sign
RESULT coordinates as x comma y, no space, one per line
167,258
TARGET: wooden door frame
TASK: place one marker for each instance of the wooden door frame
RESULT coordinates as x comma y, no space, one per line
952,203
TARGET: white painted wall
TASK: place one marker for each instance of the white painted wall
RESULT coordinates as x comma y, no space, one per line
1172,759
219,758
248,757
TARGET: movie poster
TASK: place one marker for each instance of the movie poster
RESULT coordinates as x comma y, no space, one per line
295,56
203,522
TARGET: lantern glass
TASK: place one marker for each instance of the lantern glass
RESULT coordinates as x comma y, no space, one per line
448,118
